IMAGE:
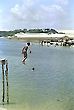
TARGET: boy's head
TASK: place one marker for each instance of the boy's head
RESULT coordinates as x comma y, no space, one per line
28,43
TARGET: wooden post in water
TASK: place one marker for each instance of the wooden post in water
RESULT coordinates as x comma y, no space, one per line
7,86
3,81
5,72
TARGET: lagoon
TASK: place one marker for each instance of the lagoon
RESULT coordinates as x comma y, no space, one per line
49,87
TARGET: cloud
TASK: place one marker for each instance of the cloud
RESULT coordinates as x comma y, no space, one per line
17,11
29,2
31,13
62,2
53,9
24,11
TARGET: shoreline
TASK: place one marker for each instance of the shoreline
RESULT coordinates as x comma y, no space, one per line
57,39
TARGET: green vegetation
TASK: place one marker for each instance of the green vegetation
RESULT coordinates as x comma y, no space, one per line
12,33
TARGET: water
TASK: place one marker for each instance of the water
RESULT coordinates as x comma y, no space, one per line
49,87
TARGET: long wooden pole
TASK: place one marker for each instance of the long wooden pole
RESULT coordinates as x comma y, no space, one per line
7,86
3,81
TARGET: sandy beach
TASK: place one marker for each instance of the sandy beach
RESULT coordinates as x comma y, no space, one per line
21,35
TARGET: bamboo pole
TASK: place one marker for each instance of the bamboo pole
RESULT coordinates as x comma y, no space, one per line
3,81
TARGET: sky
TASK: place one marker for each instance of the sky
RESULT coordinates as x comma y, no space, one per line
20,14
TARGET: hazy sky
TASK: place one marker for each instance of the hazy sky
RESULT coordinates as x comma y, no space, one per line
15,14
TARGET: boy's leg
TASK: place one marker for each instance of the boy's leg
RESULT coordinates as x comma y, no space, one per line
24,60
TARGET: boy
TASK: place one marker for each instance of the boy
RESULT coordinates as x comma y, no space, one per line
24,52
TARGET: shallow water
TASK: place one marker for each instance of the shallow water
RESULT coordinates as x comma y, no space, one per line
49,87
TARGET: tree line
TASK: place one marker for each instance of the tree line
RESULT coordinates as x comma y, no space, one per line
13,32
